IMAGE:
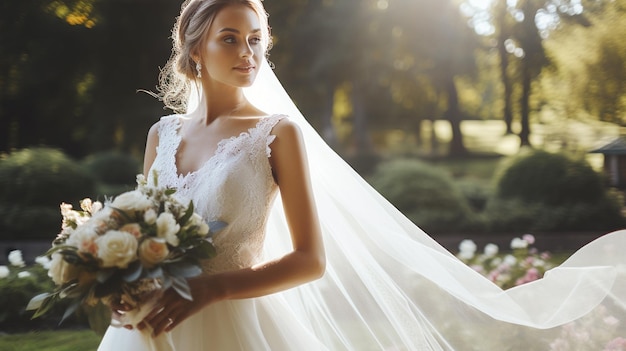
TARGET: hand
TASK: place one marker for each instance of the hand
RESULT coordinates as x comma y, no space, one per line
118,310
172,309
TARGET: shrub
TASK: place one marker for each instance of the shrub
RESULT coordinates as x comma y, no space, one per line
42,177
426,195
34,182
113,168
541,191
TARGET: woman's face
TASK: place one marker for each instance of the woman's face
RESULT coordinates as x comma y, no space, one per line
233,48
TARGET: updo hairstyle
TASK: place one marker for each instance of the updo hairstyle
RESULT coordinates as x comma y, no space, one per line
188,36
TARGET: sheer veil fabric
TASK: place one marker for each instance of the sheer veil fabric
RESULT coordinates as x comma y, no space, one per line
389,286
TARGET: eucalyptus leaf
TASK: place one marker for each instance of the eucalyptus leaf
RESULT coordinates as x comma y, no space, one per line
46,305
216,226
156,272
184,269
104,275
133,272
182,287
37,301
59,247
70,309
170,191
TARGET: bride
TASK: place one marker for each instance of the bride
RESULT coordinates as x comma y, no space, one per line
244,154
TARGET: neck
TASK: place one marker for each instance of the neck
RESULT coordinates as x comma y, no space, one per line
220,100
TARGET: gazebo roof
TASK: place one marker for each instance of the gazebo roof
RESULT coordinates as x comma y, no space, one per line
615,147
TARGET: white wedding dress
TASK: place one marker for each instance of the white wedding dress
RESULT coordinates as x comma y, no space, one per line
387,286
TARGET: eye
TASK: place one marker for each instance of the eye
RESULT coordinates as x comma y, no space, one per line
230,40
255,40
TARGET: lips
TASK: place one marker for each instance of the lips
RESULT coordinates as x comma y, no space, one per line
245,68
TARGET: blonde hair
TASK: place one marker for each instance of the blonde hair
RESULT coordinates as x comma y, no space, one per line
188,35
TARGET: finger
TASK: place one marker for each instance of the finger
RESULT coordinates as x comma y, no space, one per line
161,325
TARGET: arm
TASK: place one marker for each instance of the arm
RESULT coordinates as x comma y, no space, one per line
150,151
304,263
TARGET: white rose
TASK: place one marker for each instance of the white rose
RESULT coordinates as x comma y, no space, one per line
150,216
132,201
84,239
117,249
60,271
4,272
167,228
153,251
15,258
510,260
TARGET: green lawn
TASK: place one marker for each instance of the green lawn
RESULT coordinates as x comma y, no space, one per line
62,340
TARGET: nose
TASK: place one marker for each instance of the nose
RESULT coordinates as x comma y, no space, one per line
246,50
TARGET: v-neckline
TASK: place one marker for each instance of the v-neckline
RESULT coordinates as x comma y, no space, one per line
221,145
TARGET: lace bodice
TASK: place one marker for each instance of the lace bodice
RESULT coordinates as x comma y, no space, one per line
235,186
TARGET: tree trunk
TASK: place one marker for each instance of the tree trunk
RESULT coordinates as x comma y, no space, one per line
508,87
502,13
524,134
453,114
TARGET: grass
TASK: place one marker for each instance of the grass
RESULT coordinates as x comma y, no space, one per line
60,340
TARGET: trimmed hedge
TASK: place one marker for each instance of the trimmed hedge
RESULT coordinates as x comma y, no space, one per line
541,191
34,182
427,195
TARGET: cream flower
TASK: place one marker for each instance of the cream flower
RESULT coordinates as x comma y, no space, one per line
132,228
117,249
203,227
61,271
132,201
153,251
167,228
150,216
85,240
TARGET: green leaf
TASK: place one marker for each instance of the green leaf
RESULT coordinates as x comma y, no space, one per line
170,191
46,305
37,301
187,215
182,287
71,309
99,317
203,250
62,248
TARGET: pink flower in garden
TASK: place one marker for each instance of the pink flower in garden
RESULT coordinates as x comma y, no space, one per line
617,344
529,238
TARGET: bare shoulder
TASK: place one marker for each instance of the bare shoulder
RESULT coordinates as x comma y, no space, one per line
287,129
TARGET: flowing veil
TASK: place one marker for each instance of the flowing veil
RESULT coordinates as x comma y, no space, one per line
389,286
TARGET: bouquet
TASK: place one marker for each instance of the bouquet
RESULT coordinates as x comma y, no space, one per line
127,251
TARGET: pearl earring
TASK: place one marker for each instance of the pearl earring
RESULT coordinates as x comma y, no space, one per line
199,69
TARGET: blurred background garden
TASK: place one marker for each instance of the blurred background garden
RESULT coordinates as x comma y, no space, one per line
479,119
